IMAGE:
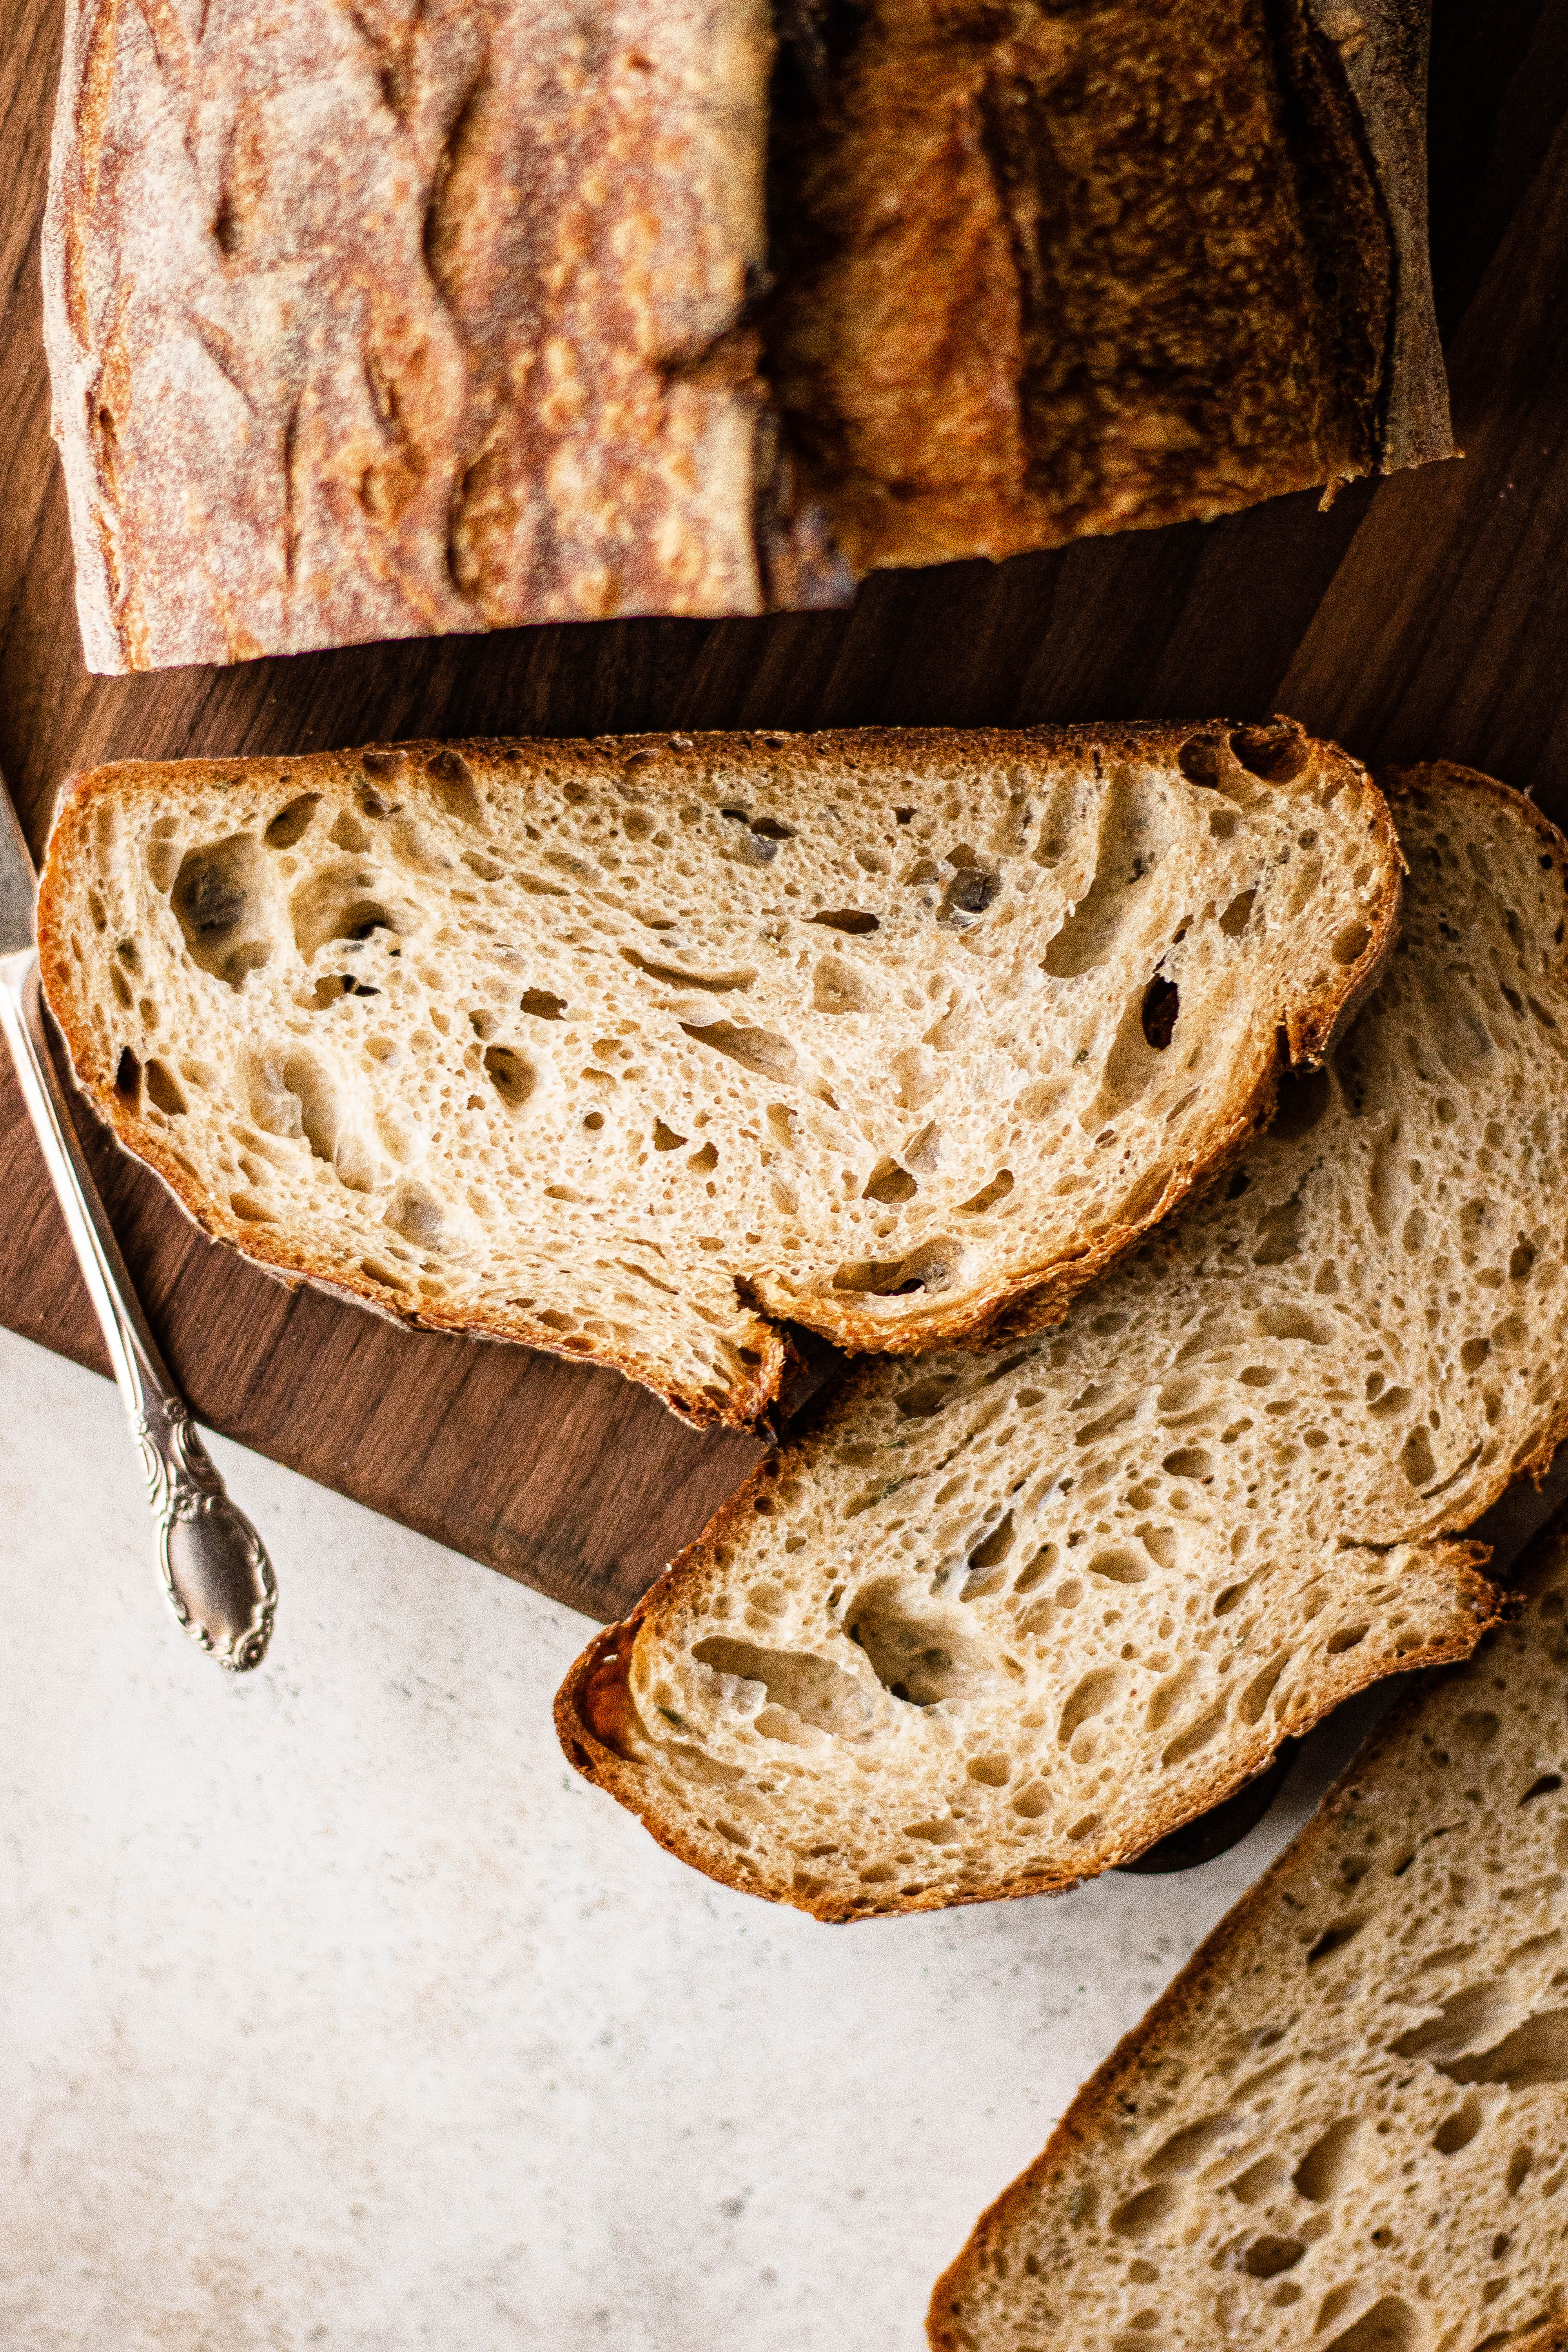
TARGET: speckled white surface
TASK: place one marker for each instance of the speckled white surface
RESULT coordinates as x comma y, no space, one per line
340,2014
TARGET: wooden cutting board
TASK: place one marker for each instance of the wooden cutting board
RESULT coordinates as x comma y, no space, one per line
1426,615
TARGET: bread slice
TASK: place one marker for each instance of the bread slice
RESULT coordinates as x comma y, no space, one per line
387,321
1061,271
1344,2125
628,1048
1003,1620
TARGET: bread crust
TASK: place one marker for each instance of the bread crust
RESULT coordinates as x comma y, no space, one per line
343,349
1030,1297
589,1704
1001,323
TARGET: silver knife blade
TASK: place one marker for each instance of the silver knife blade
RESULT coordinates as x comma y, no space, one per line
18,883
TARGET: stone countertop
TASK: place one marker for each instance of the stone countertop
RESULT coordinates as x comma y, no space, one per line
342,2015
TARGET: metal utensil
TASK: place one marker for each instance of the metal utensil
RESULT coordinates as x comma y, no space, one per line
215,1568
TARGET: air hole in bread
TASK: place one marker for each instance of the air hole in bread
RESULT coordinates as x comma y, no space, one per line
453,780
1389,2327
920,1658
1196,1736
1138,2214
1160,1012
128,1075
1535,2052
796,1682
1001,1184
513,1078
340,902
1278,754
838,986
762,1050
1199,759
928,1268
1351,943
1233,920
718,983
163,1089
890,1183
1458,2128
968,895
924,1397
1266,2257
1415,1457
542,1006
853,920
292,821
1333,1938
221,901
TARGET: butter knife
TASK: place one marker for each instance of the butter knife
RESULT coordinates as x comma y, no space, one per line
215,1568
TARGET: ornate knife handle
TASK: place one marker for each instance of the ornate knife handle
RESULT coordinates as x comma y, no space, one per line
215,1568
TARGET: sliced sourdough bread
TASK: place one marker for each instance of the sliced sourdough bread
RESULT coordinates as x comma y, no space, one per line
632,1048
1346,2125
1003,1620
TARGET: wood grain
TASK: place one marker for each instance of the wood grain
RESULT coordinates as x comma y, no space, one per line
1426,615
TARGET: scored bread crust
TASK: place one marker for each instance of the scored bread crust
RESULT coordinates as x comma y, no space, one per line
1147,2071
1025,1296
604,1738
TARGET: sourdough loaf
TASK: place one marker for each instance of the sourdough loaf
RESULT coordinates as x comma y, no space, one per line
1005,1619
392,320
389,321
636,1049
1344,2125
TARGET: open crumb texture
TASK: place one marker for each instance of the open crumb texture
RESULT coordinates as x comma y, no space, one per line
1005,1619
1346,2125
638,1049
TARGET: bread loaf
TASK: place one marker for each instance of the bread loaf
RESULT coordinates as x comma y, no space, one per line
638,1049
1005,1619
1344,2125
379,321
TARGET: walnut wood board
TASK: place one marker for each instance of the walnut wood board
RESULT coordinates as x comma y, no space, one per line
1425,615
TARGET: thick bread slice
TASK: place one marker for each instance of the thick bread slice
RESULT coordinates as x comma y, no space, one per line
1003,1620
383,321
1346,2125
1053,271
621,1048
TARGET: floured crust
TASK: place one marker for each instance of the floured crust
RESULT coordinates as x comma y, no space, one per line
1160,2071
923,1537
1029,1286
365,323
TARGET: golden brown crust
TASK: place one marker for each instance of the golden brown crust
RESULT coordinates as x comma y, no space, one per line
1029,1297
1003,319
